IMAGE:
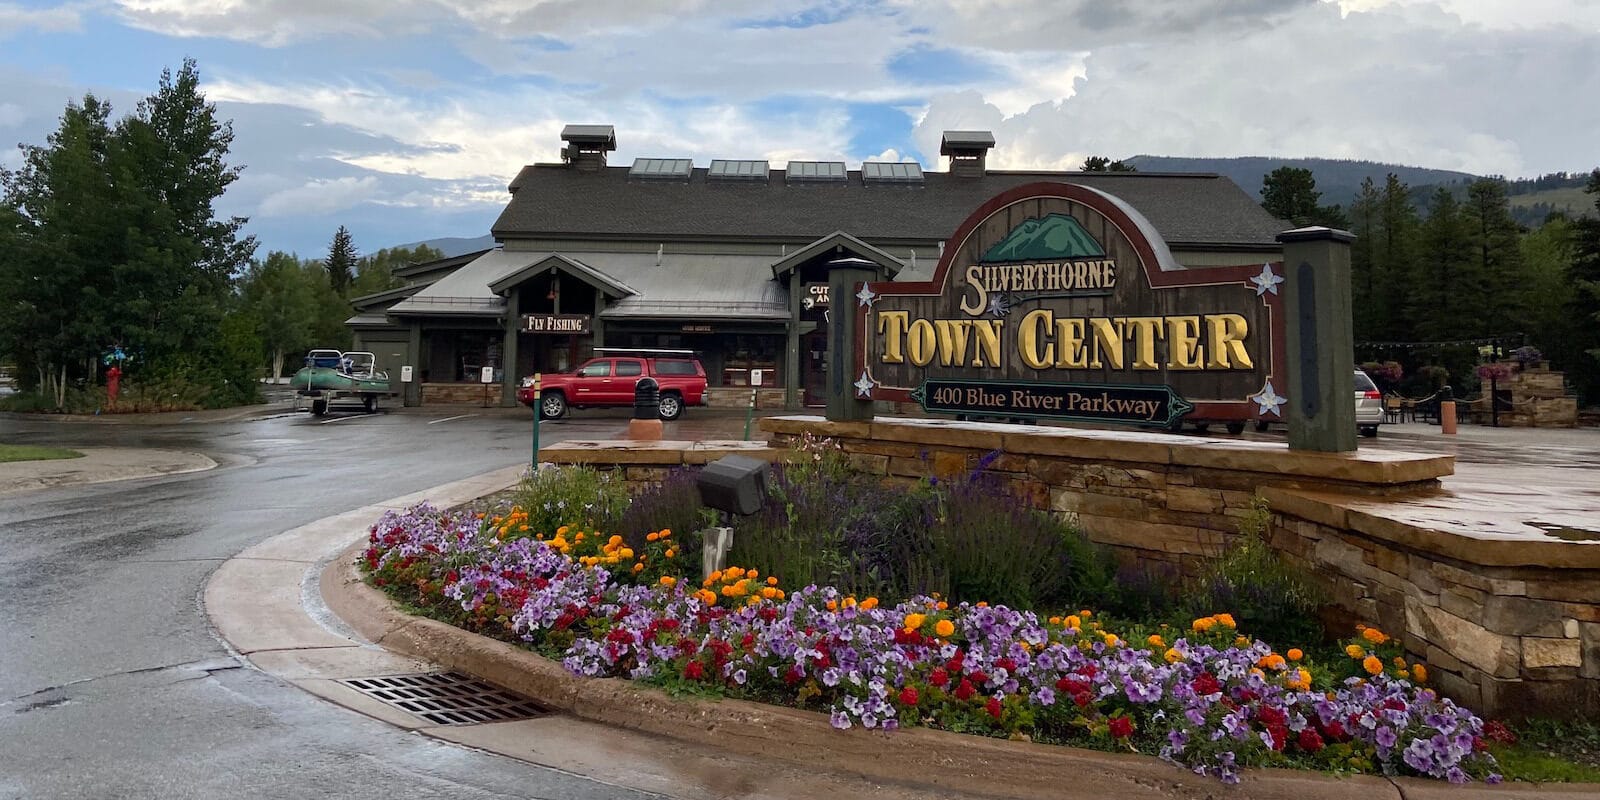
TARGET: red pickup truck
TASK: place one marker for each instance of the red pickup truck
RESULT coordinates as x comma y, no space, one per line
607,382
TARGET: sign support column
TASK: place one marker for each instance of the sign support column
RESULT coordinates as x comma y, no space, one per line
1321,341
843,276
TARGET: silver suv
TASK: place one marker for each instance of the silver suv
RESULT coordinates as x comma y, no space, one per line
1369,405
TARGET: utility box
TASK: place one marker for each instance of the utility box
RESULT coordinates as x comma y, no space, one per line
734,485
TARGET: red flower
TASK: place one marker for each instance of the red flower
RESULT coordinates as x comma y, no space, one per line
1121,727
1335,731
965,691
793,676
1206,684
1309,741
1271,716
978,677
1279,734
939,677
1082,699
1072,686
908,696
1496,731
1089,670
694,671
1006,664
993,707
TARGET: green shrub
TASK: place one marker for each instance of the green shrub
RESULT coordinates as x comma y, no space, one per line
673,504
967,539
578,496
1269,598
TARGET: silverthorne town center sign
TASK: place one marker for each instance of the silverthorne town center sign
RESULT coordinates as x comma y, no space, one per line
1060,301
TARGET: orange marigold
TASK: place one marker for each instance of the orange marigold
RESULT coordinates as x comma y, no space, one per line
1295,654
1373,665
944,627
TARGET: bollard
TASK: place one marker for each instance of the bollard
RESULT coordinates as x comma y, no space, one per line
714,546
1447,417
537,412
646,423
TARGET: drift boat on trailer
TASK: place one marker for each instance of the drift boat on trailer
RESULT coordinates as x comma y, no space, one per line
330,375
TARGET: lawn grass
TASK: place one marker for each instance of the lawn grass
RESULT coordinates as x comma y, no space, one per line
1552,752
28,452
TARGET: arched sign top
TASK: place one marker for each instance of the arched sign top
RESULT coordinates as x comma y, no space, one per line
1058,300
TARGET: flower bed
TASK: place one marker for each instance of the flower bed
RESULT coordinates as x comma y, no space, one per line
1205,698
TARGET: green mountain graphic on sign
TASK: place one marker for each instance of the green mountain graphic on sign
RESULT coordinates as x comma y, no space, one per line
1056,237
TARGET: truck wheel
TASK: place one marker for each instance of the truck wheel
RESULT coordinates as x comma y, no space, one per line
1370,431
319,408
552,406
1236,428
671,406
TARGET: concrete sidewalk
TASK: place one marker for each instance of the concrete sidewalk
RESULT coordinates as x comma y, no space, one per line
99,465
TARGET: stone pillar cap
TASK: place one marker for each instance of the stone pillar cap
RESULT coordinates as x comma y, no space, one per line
1315,233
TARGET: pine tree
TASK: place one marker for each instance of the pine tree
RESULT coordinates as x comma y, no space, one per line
1436,301
1395,257
1103,164
1290,193
1364,285
341,262
1496,263
1584,309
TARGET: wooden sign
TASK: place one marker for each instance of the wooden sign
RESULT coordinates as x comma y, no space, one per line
555,323
1061,301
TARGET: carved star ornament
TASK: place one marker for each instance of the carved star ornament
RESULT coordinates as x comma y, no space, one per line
1267,281
1269,400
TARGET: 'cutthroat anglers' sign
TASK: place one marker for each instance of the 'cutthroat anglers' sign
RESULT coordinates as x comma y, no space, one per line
1060,301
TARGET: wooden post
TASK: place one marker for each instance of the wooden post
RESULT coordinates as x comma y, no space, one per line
844,275
1321,357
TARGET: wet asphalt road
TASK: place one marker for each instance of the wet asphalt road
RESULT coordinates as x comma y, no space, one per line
111,682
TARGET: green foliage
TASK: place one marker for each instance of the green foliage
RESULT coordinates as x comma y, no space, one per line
577,496
375,272
109,237
966,538
673,504
1103,164
1290,193
10,453
1268,598
1552,751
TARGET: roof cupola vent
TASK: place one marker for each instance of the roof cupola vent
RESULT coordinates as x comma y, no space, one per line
587,146
967,151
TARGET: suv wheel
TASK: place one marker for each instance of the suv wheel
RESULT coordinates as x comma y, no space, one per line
552,406
671,407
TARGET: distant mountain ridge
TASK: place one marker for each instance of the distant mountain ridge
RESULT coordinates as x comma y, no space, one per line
1339,180
455,245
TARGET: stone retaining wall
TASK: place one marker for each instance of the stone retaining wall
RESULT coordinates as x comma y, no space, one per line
459,394
739,397
1507,622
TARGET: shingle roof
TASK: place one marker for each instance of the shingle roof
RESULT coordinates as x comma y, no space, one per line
552,200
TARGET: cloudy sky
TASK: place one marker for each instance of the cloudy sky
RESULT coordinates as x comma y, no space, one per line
405,119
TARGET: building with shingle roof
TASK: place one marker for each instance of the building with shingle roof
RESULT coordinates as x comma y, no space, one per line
728,260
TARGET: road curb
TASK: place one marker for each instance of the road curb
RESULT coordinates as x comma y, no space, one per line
923,757
100,465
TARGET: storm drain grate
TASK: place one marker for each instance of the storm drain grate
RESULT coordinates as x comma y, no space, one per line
447,698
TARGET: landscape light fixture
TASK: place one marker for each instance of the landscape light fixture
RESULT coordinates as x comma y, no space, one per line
735,485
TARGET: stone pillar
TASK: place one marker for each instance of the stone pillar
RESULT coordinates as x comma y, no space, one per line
1321,340
508,350
843,275
791,357
413,390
